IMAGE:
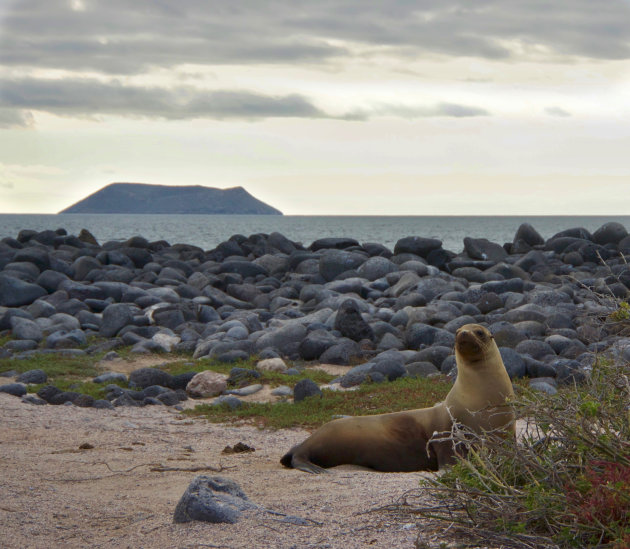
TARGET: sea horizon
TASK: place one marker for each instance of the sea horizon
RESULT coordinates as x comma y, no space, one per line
207,231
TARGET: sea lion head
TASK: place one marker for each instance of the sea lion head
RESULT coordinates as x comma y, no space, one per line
473,342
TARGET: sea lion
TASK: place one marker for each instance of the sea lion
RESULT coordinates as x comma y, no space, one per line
417,440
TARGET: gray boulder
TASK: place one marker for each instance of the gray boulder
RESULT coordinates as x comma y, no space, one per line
514,364
609,233
15,389
212,499
334,262
350,322
416,245
482,248
33,376
23,328
145,377
15,292
306,388
115,317
376,267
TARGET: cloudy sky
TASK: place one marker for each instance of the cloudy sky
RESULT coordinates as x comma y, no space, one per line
415,107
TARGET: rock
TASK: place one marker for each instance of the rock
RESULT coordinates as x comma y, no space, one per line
15,292
66,340
529,235
335,262
33,376
315,344
62,397
84,401
421,369
245,391
482,248
180,381
169,398
390,368
212,499
207,384
48,392
609,233
543,385
284,339
376,267
23,328
350,322
271,365
332,242
102,404
115,317
145,377
306,388
416,245
356,375
229,401
514,363
110,377
15,389
534,348
340,353
282,391
32,399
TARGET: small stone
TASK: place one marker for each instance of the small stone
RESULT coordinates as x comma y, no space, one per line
33,376
306,388
272,365
207,384
15,389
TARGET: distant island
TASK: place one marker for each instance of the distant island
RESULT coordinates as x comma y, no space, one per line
140,198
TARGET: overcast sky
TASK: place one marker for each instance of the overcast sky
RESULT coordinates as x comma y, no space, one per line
398,107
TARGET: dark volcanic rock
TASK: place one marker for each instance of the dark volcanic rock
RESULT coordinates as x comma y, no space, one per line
305,388
33,376
15,292
15,389
145,377
212,499
417,245
350,322
481,248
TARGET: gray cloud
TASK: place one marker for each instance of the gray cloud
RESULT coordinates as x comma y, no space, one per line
557,111
127,36
451,110
15,118
83,97
90,97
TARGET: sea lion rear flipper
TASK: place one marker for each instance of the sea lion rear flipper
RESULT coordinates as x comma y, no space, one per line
307,466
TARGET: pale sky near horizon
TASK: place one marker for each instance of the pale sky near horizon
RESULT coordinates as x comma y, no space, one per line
403,107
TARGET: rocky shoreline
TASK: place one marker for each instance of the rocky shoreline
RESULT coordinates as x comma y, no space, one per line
336,301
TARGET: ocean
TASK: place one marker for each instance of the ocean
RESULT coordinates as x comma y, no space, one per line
207,231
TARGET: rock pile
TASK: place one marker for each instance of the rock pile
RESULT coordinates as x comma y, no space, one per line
336,301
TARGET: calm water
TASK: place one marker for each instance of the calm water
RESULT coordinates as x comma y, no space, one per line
206,231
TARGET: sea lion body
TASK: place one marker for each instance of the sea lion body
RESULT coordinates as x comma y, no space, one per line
414,440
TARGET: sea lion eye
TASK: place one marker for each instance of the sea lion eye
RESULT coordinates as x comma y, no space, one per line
479,333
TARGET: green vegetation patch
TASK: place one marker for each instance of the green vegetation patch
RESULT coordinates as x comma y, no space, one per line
402,394
55,365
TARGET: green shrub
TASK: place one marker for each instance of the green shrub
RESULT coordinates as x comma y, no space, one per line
564,483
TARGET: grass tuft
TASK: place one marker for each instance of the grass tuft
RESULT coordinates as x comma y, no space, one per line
402,394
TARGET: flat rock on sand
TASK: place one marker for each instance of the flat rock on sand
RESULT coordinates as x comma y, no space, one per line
54,494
